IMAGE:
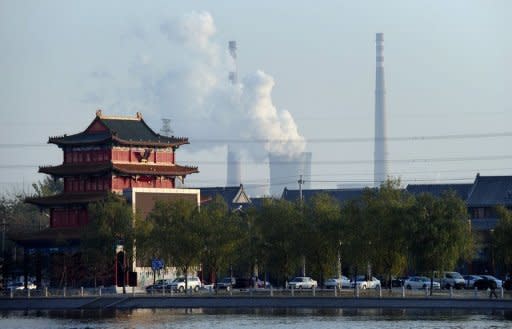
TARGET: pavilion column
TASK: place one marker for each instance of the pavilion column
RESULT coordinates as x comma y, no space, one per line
39,272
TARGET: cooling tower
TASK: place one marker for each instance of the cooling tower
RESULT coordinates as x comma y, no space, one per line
380,169
234,170
285,171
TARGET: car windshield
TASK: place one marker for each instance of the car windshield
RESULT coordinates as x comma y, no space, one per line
297,280
454,275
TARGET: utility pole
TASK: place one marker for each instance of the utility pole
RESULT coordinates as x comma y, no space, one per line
301,181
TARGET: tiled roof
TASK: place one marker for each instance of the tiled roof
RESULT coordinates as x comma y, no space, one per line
491,191
342,195
437,190
153,169
232,195
78,198
123,130
73,169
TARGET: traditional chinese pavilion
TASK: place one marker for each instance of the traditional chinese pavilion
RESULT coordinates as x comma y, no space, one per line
113,154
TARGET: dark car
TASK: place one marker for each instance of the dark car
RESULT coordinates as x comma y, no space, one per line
485,283
398,282
229,283
507,285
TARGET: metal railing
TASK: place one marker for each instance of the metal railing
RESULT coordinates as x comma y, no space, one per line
399,292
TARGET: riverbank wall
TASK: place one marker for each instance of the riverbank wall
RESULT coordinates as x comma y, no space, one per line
241,302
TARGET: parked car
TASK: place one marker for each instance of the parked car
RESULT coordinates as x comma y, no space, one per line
159,285
470,280
301,282
508,284
193,282
21,286
421,282
398,282
486,282
365,283
452,280
339,283
229,283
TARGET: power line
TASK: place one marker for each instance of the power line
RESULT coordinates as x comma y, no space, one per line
308,140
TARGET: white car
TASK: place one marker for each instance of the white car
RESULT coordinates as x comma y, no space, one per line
193,283
363,283
21,286
301,282
420,282
339,283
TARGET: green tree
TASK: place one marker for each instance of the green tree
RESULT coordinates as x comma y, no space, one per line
388,217
111,224
175,235
322,234
279,223
440,234
221,235
503,238
48,186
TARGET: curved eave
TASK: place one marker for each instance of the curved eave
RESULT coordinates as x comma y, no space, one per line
57,237
71,141
170,143
67,199
74,170
169,171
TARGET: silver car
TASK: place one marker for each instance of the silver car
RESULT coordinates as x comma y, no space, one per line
420,282
339,283
302,282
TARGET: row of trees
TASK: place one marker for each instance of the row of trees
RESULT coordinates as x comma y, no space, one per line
388,229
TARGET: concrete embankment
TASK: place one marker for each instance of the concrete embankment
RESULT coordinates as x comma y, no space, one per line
132,302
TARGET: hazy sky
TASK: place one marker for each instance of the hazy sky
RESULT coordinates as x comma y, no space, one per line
306,69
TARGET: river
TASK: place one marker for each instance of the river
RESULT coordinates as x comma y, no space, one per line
257,318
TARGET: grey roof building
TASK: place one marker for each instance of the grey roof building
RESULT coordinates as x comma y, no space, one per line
234,196
342,195
437,190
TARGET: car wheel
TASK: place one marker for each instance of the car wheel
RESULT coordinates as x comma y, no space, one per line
181,289
363,287
228,288
196,288
408,287
447,286
424,286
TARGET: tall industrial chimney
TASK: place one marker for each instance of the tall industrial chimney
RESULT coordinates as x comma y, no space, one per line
234,170
380,166
233,75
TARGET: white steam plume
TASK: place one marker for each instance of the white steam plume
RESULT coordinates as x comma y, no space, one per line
189,84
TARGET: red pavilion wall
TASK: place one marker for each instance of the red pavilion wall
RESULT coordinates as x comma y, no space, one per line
68,217
124,154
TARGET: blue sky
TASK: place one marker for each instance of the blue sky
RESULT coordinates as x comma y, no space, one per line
447,66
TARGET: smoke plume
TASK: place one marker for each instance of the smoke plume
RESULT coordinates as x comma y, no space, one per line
189,84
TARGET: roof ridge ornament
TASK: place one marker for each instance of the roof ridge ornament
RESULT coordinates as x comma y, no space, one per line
99,113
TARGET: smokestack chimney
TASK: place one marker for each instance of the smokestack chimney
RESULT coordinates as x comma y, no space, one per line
380,166
233,76
234,170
